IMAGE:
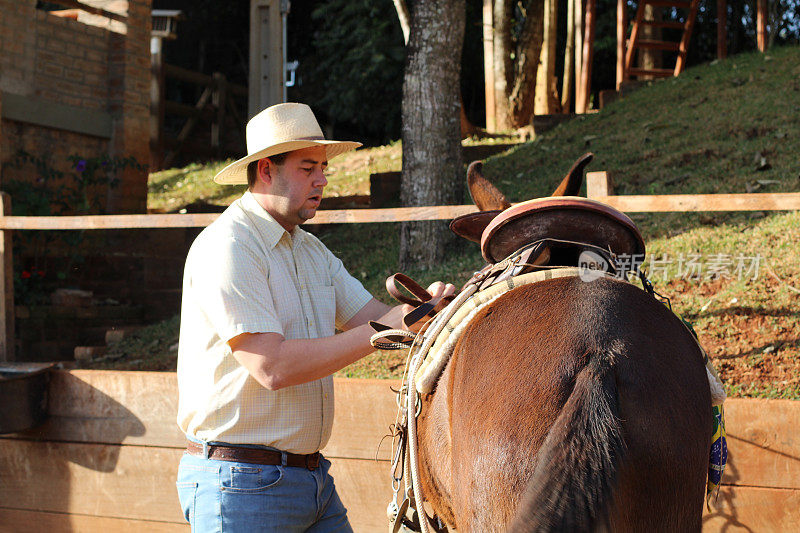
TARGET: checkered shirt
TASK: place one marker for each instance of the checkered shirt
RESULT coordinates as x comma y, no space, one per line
246,274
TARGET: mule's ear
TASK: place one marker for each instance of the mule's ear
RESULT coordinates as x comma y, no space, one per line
571,184
485,195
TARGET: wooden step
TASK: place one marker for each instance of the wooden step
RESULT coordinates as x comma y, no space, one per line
656,45
669,24
668,3
657,72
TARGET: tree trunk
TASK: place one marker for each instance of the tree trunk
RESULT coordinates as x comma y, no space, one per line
502,61
545,100
521,101
432,167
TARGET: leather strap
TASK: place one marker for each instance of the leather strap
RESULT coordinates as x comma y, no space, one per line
258,456
420,294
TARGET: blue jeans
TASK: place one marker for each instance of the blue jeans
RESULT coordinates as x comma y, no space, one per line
243,497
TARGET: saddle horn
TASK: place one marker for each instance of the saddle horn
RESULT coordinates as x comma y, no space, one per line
571,184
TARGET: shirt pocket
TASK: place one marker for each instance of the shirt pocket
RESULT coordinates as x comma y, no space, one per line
322,323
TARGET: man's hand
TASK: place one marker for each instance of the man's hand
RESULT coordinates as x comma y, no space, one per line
439,292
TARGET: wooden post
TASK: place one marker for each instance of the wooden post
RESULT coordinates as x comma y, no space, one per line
761,25
218,98
622,32
599,184
156,104
6,285
543,97
569,59
588,49
578,53
488,65
722,29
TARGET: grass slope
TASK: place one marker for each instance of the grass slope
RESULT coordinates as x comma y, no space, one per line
729,126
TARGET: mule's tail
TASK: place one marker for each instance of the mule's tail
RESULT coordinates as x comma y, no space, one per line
572,485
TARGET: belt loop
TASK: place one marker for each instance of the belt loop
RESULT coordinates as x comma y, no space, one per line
284,457
205,449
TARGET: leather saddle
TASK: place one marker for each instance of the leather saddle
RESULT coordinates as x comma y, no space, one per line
563,218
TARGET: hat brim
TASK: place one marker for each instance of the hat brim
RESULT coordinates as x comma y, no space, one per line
236,172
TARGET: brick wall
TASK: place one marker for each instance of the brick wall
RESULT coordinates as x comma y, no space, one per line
80,68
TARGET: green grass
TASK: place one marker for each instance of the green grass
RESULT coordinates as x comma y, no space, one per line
731,126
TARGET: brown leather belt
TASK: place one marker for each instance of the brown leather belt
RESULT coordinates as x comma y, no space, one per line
259,456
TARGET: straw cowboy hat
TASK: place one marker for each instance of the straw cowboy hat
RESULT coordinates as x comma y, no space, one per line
276,130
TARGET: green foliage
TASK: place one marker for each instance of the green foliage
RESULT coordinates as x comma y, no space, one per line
79,191
55,192
355,72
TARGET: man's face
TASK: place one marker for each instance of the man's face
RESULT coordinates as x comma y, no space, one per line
293,190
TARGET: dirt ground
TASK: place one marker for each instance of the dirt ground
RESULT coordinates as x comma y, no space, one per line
756,351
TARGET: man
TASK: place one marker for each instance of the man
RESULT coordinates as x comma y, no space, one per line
261,302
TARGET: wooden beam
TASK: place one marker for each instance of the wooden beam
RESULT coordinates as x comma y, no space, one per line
722,29
157,100
218,99
544,101
6,285
569,60
787,201
588,52
680,63
333,216
578,23
762,452
129,482
91,9
49,522
634,40
622,31
598,184
488,66
761,24
752,509
644,203
31,110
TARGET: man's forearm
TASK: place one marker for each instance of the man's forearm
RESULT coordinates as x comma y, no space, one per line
276,362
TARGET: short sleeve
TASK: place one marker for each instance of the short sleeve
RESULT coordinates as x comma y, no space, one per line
229,283
351,296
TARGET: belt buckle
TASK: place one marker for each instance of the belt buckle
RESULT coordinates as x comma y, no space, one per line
312,461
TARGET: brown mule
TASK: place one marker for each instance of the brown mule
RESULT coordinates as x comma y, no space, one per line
568,405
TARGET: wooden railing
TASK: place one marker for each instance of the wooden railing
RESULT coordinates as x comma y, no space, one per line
599,187
218,100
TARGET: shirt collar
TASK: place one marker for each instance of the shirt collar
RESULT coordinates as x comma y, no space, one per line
269,228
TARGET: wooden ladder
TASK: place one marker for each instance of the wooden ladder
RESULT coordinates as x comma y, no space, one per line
681,47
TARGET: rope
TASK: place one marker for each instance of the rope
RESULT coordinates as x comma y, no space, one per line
412,398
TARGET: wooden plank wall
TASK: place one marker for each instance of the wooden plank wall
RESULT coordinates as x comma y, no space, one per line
107,457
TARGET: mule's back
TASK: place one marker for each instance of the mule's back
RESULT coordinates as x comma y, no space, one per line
515,369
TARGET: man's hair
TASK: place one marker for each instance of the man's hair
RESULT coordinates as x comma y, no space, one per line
252,168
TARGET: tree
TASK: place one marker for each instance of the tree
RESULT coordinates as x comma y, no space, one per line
518,33
432,167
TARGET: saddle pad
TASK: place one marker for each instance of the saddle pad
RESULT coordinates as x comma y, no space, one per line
441,349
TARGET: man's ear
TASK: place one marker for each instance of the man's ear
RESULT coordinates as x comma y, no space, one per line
264,170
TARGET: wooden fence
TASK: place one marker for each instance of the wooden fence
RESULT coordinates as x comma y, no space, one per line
106,458
219,101
599,187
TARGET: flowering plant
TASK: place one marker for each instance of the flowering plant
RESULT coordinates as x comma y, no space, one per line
81,190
